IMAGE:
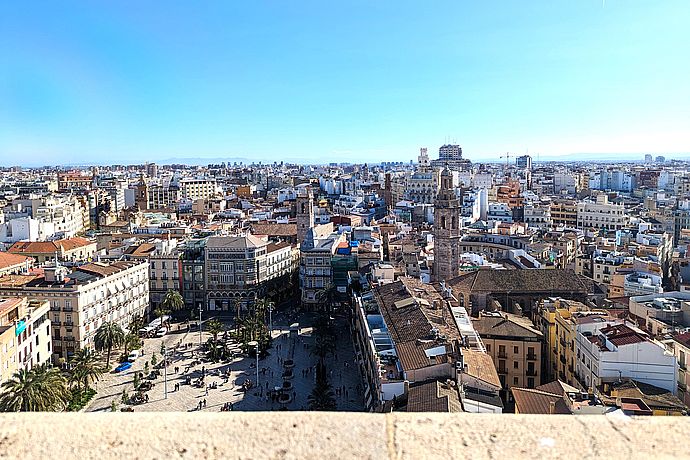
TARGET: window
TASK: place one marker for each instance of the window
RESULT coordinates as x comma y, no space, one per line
515,381
488,348
530,382
516,365
516,350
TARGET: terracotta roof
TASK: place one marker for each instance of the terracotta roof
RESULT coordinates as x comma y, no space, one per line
141,250
49,247
683,339
480,366
533,401
506,325
539,280
557,387
277,246
10,260
621,334
433,397
651,395
286,230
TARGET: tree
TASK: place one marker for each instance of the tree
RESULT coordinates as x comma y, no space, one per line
43,388
85,368
131,342
322,397
136,322
215,327
172,301
108,336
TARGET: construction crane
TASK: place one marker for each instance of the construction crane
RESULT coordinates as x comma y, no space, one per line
507,157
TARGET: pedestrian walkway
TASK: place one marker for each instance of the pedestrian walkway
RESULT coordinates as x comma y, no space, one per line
343,375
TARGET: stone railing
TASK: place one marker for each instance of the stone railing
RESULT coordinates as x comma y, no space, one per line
262,435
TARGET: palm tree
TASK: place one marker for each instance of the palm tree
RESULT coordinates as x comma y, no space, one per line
85,368
321,397
131,342
324,345
137,322
215,327
109,335
172,301
43,388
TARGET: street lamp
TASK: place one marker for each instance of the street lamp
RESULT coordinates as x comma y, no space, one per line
165,371
255,344
199,328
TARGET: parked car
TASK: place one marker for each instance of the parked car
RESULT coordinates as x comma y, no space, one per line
161,332
123,367
134,355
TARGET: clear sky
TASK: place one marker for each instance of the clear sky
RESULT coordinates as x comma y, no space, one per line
133,81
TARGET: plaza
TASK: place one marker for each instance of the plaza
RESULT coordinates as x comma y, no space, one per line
226,379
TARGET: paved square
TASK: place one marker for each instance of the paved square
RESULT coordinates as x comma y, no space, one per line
183,349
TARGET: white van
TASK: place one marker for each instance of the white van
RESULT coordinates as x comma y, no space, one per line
134,355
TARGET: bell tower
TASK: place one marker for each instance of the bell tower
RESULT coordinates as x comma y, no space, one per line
305,212
446,230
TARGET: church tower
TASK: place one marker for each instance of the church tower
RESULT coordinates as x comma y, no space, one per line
446,230
305,212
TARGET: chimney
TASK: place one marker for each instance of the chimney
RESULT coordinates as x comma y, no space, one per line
552,407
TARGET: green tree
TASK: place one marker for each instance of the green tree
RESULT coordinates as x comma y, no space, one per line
136,322
85,368
110,335
131,342
322,397
172,301
43,388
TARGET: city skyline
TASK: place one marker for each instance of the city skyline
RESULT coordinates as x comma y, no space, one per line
121,84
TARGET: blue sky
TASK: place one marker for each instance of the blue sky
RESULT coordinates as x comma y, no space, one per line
134,81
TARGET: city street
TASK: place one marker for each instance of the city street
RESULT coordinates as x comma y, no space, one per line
182,352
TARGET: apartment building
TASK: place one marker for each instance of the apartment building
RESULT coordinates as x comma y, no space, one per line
315,268
198,188
66,250
515,346
681,349
564,213
240,268
601,214
404,341
25,339
14,263
609,352
84,298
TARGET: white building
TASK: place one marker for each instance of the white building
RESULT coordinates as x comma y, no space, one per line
608,351
195,189
601,214
85,298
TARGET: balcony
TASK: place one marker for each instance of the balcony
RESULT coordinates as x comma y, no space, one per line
531,357
67,309
502,354
502,371
531,372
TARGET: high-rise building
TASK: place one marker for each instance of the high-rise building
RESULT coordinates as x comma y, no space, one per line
648,158
450,152
447,212
524,162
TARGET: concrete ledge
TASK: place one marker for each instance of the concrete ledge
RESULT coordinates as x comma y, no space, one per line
288,435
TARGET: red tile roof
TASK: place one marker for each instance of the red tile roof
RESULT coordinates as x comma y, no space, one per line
48,247
9,260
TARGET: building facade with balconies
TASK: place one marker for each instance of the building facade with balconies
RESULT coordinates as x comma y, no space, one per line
84,298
